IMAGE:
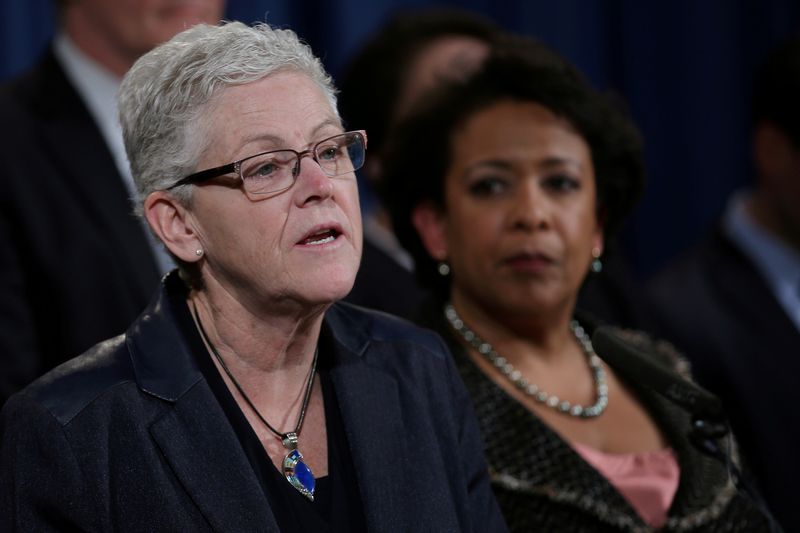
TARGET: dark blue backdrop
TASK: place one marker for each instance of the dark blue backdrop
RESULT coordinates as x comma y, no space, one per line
683,66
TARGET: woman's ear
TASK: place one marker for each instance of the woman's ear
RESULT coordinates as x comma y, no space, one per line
429,222
172,223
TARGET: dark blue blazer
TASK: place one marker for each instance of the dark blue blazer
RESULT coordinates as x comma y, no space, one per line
129,436
75,265
716,308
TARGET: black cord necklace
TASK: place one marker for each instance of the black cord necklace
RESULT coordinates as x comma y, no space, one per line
297,472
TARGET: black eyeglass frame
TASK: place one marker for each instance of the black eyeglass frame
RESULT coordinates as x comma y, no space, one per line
236,166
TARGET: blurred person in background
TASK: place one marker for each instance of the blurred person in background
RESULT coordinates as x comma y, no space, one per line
76,266
505,188
245,397
732,303
414,51
412,54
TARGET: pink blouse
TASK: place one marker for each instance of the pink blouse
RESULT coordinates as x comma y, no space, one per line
647,480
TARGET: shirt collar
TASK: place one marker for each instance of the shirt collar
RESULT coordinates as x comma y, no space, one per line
778,263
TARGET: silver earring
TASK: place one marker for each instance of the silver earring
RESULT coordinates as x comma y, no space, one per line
443,268
198,252
597,265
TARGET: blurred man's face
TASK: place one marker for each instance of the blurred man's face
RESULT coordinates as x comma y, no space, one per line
447,58
777,161
117,32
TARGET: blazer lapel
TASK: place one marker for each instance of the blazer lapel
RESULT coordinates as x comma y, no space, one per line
193,433
368,399
754,305
205,455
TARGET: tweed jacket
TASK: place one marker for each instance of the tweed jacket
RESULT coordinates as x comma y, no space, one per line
542,484
129,436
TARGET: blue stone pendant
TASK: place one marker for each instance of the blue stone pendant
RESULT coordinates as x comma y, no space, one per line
297,472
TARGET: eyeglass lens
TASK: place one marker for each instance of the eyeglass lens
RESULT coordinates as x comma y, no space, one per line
275,171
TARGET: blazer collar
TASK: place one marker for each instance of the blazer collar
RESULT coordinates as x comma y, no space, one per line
162,361
203,451
369,401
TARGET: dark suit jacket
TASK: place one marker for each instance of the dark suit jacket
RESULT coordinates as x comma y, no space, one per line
129,436
717,309
75,265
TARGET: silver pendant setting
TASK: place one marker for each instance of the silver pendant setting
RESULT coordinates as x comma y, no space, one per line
297,472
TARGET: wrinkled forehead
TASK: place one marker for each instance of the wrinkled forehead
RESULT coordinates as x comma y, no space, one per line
279,93
286,109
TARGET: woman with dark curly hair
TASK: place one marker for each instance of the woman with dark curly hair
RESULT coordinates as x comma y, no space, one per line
505,187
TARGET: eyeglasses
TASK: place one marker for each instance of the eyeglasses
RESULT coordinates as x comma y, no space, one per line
276,171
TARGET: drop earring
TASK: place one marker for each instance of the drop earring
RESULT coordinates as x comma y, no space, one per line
597,264
443,268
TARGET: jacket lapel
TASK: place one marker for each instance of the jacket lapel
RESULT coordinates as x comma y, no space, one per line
757,319
193,433
370,406
704,482
206,457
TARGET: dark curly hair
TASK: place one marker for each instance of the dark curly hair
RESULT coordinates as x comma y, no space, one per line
372,83
518,69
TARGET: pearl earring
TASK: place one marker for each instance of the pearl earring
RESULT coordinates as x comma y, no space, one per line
198,252
443,268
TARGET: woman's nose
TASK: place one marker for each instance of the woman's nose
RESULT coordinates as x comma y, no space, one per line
312,183
530,208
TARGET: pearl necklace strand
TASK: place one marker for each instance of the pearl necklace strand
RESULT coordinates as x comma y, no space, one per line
515,376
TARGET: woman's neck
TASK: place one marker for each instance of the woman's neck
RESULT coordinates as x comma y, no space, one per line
265,368
259,347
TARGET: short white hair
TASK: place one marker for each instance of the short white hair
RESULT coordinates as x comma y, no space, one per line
165,96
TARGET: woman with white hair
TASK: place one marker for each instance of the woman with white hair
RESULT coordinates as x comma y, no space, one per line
245,398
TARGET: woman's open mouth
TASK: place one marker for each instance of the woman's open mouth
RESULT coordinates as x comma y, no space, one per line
323,236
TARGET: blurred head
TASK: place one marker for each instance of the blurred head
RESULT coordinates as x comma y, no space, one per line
442,59
213,97
411,54
514,177
776,141
116,32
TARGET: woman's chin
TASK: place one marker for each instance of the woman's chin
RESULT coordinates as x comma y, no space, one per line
329,287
